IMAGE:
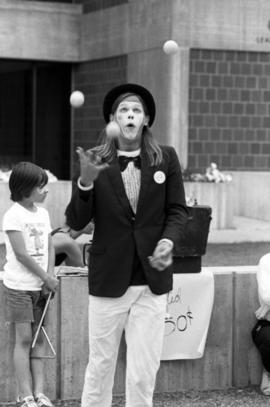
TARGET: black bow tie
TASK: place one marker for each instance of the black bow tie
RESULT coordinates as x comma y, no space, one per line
124,160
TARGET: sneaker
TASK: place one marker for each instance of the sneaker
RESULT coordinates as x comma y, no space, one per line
26,402
265,383
43,401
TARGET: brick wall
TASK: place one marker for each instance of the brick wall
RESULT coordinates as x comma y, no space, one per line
94,5
229,110
94,79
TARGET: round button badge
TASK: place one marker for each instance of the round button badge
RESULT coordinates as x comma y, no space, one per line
159,177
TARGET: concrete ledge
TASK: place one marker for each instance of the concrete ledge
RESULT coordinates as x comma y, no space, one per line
230,358
249,203
219,196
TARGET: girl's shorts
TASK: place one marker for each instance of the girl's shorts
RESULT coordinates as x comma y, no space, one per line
23,306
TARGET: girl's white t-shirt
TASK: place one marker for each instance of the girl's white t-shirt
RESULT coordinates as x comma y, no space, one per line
35,228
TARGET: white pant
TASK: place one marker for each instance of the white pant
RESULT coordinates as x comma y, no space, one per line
141,313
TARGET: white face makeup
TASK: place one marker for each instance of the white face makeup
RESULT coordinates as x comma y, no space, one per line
131,118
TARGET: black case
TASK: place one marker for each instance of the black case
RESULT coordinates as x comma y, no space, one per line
189,251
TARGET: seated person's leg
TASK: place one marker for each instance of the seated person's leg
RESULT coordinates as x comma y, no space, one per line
87,230
64,244
261,338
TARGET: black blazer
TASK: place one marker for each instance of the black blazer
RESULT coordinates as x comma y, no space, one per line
161,213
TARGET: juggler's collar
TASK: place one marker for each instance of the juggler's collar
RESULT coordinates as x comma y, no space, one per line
129,153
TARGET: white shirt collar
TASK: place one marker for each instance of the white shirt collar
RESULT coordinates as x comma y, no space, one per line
129,153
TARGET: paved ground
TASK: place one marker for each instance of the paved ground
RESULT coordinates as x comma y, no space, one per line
234,254
245,230
247,397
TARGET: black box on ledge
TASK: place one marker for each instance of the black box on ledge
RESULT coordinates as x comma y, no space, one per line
189,251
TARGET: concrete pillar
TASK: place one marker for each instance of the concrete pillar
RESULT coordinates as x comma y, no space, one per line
178,104
167,77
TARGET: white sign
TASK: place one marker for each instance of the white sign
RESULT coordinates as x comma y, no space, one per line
190,306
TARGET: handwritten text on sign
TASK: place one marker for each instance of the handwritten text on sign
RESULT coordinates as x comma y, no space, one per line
189,311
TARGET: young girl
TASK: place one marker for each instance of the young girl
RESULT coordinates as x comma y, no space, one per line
28,275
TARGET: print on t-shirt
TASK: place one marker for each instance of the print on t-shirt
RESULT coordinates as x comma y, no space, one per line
35,240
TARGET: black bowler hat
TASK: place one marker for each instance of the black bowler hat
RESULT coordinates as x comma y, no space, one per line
139,90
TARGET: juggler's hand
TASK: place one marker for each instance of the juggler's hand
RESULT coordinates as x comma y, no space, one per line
162,256
90,165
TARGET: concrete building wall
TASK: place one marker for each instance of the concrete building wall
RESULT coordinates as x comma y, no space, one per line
212,100
212,96
33,30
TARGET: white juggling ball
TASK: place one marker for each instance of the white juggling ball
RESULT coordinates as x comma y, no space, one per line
170,47
113,129
76,98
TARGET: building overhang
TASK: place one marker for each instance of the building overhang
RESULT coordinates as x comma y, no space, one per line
40,31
